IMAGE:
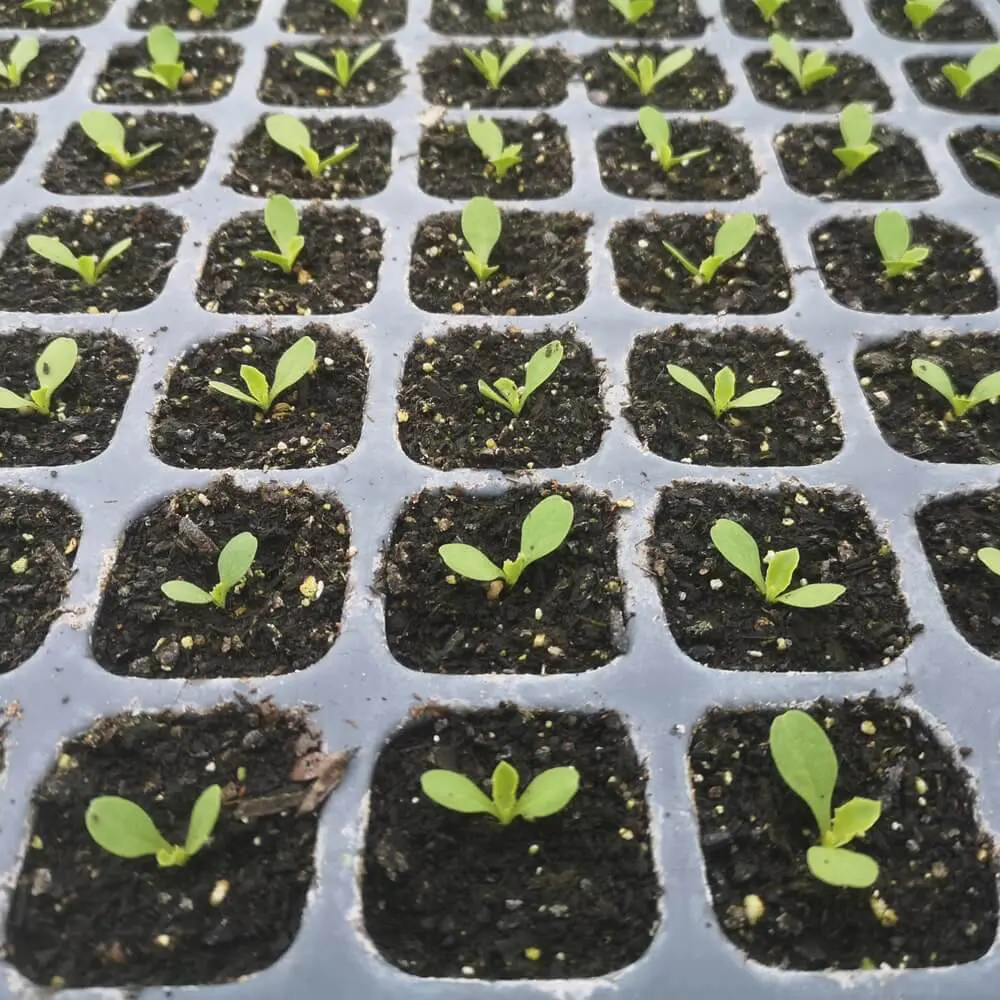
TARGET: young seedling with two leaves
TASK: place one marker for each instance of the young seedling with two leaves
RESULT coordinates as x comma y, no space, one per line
486,134
481,228
88,266
52,367
494,69
856,127
344,68
645,72
282,223
769,8
22,53
982,65
165,66
807,70
656,131
807,763
632,10
292,134
235,561
292,367
540,368
919,12
107,133
724,397
731,239
937,378
892,234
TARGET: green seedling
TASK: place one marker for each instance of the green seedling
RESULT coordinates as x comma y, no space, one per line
645,72
293,135
656,131
769,8
632,10
125,829
543,531
492,67
987,157
737,546
724,397
352,8
292,367
234,563
481,228
542,365
546,794
892,234
806,761
920,12
496,10
88,266
282,223
343,69
107,133
52,368
22,53
43,7
982,65
990,558
486,134
807,70
987,388
165,66
731,239
856,127
207,8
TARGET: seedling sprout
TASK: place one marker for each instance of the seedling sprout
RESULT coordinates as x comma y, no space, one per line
731,239
88,266
539,369
937,378
292,367
107,133
724,396
645,72
234,563
343,69
282,223
292,134
481,228
165,67
53,366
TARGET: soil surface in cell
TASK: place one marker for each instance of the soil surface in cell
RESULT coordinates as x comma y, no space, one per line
47,73
283,617
571,895
806,19
315,422
955,21
932,86
181,15
17,133
985,176
800,427
856,80
65,14
91,918
565,615
524,17
936,890
306,17
677,19
719,618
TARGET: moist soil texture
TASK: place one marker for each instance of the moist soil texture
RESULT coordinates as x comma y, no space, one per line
316,422
445,422
181,15
956,21
571,895
649,277
918,421
283,617
935,895
524,17
17,133
32,284
65,14
954,279
718,617
701,85
856,80
86,408
335,272
726,172
375,18
801,427
38,539
934,88
79,167
898,172
542,260
805,19
84,917
47,74
452,165
565,615
979,173
675,19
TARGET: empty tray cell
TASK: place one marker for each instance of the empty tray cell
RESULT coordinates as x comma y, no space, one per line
978,153
801,19
46,74
17,133
181,14
520,17
665,19
330,18
933,87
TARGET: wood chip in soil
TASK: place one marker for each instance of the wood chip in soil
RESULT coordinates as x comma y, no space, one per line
479,896
98,919
17,133
856,80
79,167
925,76
47,73
542,259
65,14
323,280
667,19
728,626
454,628
955,21
953,280
306,17
452,165
32,284
801,427
316,422
181,15
450,425
269,626
980,174
802,19
524,17
649,277
936,881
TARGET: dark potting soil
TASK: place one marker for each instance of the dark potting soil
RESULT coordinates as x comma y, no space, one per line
801,19
956,21
444,421
211,68
801,427
538,81
316,422
571,895
79,167
287,82
701,85
452,166
277,621
181,15
542,259
933,87
898,172
954,278
323,280
65,14
524,17
38,538
649,277
48,73
675,19
856,80
726,172
566,614
86,408
980,174
918,421
718,617
936,890
84,917
375,18
32,284
17,133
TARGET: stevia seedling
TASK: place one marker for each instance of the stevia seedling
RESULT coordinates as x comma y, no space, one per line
769,8
43,7
731,239
165,67
292,134
53,366
807,763
807,70
234,563
546,794
982,65
987,157
724,396
856,128
88,266
481,228
919,12
486,134
125,829
22,53
632,10
543,531
282,223
496,10
293,366
207,8
645,72
737,546
987,388
656,131
492,67
344,68
352,8
539,369
892,234
107,133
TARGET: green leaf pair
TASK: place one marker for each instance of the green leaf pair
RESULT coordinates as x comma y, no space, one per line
538,370
656,131
856,127
731,239
936,377
632,10
724,396
919,12
107,133
892,234
53,367
807,70
645,72
88,266
165,67
292,134
292,367
494,69
352,8
982,65
234,563
481,229
486,134
769,8
343,69
282,223
22,53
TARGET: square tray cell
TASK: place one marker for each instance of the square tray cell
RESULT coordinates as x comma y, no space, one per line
798,19
65,14
955,21
46,74
376,17
665,19
933,87
521,17
179,14
980,172
17,133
